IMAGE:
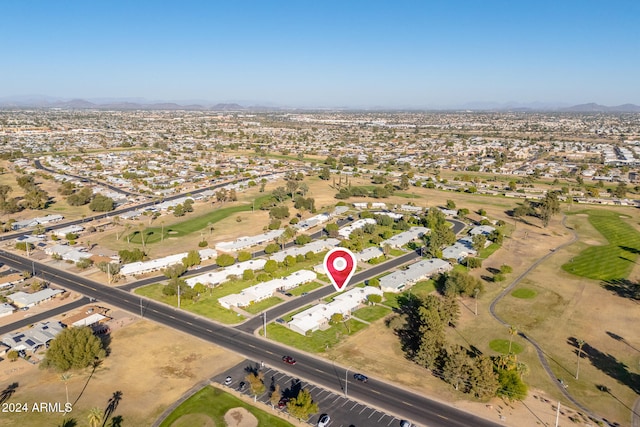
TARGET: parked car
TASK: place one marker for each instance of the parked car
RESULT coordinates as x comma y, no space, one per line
283,402
242,385
324,420
405,423
228,381
360,377
289,360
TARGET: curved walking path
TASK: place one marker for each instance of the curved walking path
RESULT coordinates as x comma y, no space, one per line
539,350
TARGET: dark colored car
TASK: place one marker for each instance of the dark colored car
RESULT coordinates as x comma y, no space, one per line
289,360
283,402
360,377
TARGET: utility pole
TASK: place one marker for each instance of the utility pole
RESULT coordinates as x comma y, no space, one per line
264,323
178,295
558,414
475,295
346,381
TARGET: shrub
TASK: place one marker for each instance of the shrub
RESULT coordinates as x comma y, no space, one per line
202,244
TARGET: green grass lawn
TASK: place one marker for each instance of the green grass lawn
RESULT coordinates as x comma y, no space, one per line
488,251
262,305
612,261
524,293
307,287
318,341
372,313
406,195
206,306
502,346
188,226
213,403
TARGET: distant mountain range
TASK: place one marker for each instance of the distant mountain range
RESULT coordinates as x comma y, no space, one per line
37,101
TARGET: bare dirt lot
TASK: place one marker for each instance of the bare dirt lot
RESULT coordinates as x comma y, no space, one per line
149,367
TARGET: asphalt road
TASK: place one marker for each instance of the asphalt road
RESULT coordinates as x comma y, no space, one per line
392,399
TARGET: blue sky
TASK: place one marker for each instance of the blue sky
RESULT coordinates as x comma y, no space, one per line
325,53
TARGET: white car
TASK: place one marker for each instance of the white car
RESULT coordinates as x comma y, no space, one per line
324,420
228,381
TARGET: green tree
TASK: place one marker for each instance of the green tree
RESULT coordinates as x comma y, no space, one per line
478,242
12,355
325,174
457,367
270,266
101,203
74,348
192,258
256,382
451,204
244,256
302,406
374,282
511,386
248,275
225,260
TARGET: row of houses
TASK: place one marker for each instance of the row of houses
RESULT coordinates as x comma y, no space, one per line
142,267
25,223
249,241
265,290
316,247
214,278
421,270
318,316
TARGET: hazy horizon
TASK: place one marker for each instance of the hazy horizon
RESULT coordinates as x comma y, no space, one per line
355,54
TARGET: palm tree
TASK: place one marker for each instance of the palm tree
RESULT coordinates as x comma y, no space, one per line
95,417
65,377
580,344
513,331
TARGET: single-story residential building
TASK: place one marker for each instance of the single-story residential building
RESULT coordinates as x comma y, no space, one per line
405,237
141,267
265,290
74,229
460,250
34,338
368,253
401,279
319,315
214,278
346,231
482,229
67,252
6,309
23,299
249,241
315,247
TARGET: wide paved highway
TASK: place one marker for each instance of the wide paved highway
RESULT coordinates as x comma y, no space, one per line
393,399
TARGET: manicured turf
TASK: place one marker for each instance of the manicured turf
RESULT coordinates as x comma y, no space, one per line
318,341
189,225
307,287
371,313
524,293
612,261
214,403
502,346
262,305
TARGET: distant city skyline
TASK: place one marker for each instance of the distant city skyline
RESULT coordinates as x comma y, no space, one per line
330,54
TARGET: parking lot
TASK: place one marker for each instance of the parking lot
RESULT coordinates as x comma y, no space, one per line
343,411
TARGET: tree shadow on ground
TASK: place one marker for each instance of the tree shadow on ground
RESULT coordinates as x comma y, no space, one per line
634,251
112,405
293,390
95,365
8,392
493,270
623,288
71,422
116,421
609,365
621,339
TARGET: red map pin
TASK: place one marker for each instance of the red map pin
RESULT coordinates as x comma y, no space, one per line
340,264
